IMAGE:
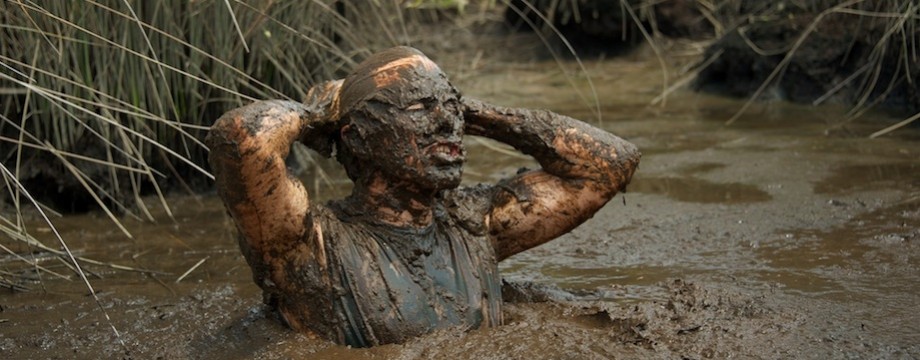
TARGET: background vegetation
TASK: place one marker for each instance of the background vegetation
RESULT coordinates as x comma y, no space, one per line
861,53
110,99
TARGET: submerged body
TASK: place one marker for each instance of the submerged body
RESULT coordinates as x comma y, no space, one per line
401,282
409,250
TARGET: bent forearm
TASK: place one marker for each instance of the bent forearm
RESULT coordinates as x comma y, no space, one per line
248,148
564,147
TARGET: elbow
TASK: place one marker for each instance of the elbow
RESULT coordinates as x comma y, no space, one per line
242,122
628,157
268,126
225,130
224,137
626,151
628,164
232,138
223,147
621,166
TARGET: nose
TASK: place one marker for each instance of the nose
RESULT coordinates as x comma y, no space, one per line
446,122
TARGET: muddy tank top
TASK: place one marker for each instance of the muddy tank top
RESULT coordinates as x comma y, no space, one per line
391,284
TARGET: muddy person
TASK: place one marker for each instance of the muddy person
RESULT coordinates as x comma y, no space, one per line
409,251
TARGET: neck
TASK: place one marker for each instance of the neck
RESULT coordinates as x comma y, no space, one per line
393,203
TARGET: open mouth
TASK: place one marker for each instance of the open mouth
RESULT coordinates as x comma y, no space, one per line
445,152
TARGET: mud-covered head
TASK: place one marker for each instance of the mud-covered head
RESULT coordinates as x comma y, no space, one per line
401,118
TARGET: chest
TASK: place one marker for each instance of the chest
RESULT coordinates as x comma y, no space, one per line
395,285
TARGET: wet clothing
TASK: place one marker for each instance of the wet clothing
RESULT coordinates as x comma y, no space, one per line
385,284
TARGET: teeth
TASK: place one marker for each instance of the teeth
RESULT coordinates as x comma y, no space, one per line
446,149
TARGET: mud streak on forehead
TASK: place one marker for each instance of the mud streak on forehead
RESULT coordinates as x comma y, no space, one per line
389,73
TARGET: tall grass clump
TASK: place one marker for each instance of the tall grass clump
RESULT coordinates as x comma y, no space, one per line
109,100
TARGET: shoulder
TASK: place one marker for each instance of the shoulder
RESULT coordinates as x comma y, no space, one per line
337,229
322,213
469,206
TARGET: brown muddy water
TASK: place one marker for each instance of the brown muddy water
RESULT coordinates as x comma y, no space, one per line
788,234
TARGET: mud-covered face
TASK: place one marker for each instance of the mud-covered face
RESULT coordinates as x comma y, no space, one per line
412,131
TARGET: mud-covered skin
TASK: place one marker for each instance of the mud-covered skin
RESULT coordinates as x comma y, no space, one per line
409,138
582,168
268,205
397,125
399,103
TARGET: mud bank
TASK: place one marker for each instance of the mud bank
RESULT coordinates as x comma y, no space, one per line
806,55
606,28
811,52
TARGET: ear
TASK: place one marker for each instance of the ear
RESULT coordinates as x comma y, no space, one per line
352,139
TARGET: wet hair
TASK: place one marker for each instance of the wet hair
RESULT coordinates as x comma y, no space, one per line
385,70
390,76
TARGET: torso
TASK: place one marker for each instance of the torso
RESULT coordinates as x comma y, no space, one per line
386,284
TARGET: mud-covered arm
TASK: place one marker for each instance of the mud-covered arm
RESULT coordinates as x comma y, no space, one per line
582,167
248,147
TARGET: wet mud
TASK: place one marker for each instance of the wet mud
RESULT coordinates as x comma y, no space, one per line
785,235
